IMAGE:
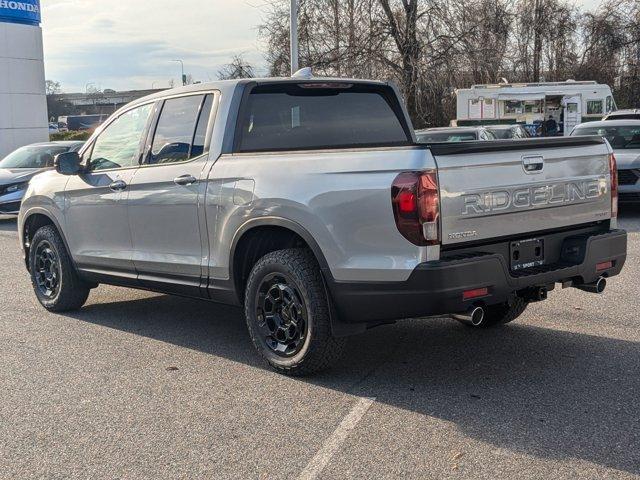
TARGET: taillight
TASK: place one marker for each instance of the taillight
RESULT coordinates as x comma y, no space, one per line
416,207
613,170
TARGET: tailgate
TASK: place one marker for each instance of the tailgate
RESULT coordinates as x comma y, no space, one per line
506,188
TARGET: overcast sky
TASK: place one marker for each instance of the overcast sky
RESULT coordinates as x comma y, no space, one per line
129,44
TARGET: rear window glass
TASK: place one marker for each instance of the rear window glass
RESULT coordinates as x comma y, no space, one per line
290,117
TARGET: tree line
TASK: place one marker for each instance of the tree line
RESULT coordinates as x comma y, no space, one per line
431,47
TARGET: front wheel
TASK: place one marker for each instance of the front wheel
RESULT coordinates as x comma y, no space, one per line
287,313
55,280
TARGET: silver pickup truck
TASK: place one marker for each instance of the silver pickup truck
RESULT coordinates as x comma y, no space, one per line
309,202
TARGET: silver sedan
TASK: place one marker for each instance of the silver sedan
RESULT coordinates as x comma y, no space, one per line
624,138
22,165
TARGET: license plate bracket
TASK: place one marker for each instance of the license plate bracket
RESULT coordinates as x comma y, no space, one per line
527,253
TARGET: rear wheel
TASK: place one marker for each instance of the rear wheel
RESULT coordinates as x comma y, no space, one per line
54,279
501,314
287,313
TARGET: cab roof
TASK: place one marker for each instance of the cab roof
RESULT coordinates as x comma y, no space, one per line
228,86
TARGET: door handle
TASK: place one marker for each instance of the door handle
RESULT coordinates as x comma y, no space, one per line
185,180
118,185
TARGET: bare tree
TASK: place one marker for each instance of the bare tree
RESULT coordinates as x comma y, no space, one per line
431,47
237,68
52,87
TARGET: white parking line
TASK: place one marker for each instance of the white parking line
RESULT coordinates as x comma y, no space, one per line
331,446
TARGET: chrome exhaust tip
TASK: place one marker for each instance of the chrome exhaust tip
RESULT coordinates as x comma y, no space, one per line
596,287
474,316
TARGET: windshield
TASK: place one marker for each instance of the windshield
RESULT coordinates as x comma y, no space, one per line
32,157
435,137
620,138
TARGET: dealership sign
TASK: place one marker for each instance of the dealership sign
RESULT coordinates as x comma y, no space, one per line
22,11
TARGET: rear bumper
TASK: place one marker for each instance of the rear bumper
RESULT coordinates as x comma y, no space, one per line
436,288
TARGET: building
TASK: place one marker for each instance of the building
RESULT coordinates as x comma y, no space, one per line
92,103
23,105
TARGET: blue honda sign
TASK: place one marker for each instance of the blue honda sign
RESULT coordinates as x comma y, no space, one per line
22,11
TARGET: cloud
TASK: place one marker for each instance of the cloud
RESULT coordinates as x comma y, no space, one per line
103,24
130,44
126,44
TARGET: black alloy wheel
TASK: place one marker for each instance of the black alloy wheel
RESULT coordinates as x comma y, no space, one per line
281,315
47,270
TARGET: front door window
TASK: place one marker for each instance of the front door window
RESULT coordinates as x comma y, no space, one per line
119,145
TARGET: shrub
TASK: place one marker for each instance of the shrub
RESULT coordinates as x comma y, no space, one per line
80,136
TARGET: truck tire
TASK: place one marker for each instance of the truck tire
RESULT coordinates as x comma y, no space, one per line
287,313
54,278
502,314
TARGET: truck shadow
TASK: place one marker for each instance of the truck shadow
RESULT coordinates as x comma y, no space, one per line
541,392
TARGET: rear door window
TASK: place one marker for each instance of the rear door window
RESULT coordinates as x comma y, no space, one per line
295,117
181,129
200,138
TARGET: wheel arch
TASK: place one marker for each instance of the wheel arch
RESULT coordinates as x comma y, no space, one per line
278,233
293,234
35,219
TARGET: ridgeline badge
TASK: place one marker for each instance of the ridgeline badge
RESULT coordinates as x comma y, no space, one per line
24,11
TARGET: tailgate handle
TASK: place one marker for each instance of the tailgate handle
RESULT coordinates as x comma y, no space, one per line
532,164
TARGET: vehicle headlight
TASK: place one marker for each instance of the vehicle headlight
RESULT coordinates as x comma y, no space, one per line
16,187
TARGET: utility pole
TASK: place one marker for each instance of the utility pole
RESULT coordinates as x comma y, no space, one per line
538,25
294,36
184,77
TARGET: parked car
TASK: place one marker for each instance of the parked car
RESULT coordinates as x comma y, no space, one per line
17,168
631,114
81,122
504,132
624,138
53,128
453,134
309,202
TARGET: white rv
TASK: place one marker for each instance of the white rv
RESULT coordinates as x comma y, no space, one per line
569,103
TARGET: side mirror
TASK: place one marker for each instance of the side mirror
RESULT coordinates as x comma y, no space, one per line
68,163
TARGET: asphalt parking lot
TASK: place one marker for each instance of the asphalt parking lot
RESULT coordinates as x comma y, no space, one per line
139,385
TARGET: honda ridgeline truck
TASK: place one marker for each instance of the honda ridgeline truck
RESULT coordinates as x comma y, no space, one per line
309,202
